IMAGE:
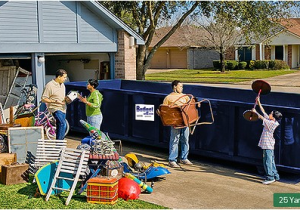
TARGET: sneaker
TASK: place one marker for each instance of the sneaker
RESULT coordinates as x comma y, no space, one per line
268,181
173,164
186,162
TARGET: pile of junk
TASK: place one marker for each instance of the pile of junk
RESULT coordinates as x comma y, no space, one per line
103,173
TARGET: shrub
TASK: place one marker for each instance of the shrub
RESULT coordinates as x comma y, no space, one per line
272,64
232,64
251,64
216,64
264,64
279,64
242,65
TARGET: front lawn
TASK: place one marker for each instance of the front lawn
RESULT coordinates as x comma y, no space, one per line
21,196
212,76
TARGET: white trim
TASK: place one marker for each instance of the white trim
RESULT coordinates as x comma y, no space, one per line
284,59
260,51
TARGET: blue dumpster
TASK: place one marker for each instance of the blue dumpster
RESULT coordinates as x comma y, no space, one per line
230,137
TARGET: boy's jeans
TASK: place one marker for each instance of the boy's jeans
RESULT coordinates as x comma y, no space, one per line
95,120
269,164
61,124
179,136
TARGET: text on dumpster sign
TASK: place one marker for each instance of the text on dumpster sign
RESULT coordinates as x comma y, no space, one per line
144,112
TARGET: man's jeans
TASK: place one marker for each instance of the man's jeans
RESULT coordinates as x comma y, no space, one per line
95,120
179,136
269,164
61,124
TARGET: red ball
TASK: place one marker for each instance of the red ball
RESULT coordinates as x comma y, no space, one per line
128,189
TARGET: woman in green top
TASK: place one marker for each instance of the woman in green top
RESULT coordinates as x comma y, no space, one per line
93,104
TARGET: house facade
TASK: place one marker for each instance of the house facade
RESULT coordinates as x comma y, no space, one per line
183,50
82,37
284,45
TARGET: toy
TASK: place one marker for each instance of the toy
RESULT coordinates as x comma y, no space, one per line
128,189
140,183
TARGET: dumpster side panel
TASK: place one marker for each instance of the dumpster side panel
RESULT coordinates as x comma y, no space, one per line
230,137
114,109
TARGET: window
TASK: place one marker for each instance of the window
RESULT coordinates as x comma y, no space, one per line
245,54
279,52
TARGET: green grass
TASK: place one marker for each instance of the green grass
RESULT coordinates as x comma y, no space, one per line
21,196
211,76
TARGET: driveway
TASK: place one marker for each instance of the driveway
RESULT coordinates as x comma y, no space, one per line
212,183
208,184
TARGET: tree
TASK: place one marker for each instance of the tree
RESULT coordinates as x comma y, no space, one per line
146,15
248,21
252,18
220,33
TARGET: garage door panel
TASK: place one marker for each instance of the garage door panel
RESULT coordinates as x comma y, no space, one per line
159,60
178,59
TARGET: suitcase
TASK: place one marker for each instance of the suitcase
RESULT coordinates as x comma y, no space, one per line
14,174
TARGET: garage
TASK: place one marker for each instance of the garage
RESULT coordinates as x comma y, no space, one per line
169,58
83,38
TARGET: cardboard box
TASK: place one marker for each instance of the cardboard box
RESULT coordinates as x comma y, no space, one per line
25,120
7,159
14,174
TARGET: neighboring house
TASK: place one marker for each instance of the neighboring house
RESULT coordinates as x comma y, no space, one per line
82,37
283,45
185,49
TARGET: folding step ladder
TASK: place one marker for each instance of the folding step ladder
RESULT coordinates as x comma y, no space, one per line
19,83
72,163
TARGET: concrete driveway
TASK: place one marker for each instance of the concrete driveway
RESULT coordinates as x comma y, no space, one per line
215,184
209,183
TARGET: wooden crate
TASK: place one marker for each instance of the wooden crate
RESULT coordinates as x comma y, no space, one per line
14,174
7,159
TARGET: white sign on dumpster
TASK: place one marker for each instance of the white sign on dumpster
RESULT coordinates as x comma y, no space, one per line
144,112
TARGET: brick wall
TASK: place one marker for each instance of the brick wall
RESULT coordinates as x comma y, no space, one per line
257,52
230,53
267,52
125,66
201,58
290,54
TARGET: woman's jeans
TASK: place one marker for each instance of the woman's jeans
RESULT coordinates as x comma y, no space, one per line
269,164
61,124
95,120
179,136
